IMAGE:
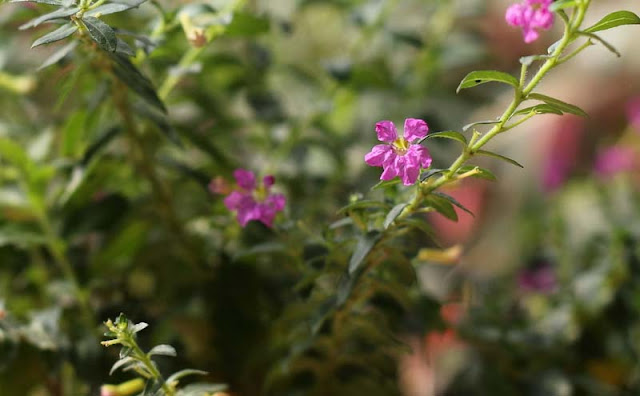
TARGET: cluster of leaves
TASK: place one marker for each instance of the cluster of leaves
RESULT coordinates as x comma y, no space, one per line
132,358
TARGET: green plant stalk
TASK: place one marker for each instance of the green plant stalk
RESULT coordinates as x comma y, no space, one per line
146,360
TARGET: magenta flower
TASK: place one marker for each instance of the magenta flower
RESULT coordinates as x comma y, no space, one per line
399,157
530,15
539,279
252,201
614,160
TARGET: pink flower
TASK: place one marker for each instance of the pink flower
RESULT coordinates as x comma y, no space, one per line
615,160
252,201
530,15
633,112
399,157
539,279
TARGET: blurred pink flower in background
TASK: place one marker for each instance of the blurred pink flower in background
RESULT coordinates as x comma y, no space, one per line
253,201
531,16
469,193
539,279
614,160
400,157
633,112
562,154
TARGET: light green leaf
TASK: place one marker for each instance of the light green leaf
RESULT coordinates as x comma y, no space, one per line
487,122
484,76
498,156
163,349
614,19
561,5
393,213
59,13
453,135
560,105
245,24
183,373
201,389
60,33
101,33
540,109
114,7
58,55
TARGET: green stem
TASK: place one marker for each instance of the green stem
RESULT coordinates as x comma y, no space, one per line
146,360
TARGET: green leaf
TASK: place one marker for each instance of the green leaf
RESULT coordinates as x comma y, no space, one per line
135,80
393,213
163,349
442,206
484,76
453,135
363,247
160,120
12,235
562,4
557,103
482,173
363,204
245,24
201,389
107,136
60,33
431,172
101,33
58,55
540,109
50,2
498,156
15,155
487,122
602,41
614,19
528,60
123,363
453,201
114,7
183,373
386,183
59,13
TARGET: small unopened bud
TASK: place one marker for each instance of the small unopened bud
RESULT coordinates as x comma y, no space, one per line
196,35
447,256
128,388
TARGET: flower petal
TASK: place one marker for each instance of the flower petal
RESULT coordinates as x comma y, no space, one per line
233,200
415,129
386,131
390,171
420,154
378,155
245,179
268,181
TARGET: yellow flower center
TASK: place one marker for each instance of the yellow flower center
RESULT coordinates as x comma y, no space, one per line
400,146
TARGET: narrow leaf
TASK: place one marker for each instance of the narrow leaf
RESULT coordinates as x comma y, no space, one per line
487,122
602,41
183,373
51,2
393,213
386,183
122,363
453,135
58,55
60,33
614,19
163,349
59,13
453,201
363,247
560,105
528,60
363,204
200,389
114,7
498,156
484,76
442,206
431,172
561,5
135,80
101,33
540,109
101,142
139,327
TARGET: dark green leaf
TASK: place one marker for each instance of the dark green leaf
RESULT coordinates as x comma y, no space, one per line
484,76
453,201
123,48
498,156
245,24
363,204
614,19
442,206
113,7
560,105
101,33
99,144
453,135
11,235
135,80
482,173
363,247
58,55
540,109
59,13
393,213
561,5
60,33
386,183
487,122
431,172
418,224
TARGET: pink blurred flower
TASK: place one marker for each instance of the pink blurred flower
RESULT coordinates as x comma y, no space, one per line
540,279
400,157
633,112
561,154
615,160
252,201
530,15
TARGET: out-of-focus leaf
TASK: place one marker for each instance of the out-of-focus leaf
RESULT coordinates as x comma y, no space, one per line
540,109
50,2
163,349
135,80
528,60
365,243
500,157
487,122
124,48
484,76
201,389
560,105
614,19
123,363
101,33
386,183
183,373
58,55
431,172
15,154
453,201
99,144
245,24
60,33
160,120
453,135
59,13
11,235
561,5
442,206
363,204
113,7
